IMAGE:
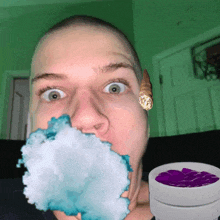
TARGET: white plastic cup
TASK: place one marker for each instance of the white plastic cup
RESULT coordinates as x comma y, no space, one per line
179,203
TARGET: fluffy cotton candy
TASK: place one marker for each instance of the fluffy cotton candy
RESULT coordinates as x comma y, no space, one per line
74,172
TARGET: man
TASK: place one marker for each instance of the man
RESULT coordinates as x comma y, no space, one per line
93,77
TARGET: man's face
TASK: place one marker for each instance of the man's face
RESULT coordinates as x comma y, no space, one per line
96,102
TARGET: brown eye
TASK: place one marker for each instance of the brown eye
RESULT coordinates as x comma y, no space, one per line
115,88
52,95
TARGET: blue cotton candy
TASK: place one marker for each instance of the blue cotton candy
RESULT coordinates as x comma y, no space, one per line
74,173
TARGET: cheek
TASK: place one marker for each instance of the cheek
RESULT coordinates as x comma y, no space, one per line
42,116
40,121
130,132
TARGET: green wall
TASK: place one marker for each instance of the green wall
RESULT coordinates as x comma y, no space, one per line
163,24
153,26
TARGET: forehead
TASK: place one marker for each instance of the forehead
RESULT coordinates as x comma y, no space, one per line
79,45
83,38
77,49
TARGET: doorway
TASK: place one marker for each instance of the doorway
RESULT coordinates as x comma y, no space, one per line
18,109
184,104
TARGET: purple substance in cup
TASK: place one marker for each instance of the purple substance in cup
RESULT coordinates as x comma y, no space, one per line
186,178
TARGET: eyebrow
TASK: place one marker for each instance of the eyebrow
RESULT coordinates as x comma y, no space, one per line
105,69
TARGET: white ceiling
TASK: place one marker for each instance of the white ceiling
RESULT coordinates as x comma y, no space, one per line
11,3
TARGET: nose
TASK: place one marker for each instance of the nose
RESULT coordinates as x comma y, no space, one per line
88,116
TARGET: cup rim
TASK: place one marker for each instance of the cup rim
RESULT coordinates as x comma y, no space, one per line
184,196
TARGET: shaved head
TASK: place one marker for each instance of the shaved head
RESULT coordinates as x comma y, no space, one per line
97,24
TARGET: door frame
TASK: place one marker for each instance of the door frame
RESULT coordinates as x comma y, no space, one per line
6,83
156,68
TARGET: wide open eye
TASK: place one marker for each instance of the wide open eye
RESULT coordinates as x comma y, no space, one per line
115,88
53,95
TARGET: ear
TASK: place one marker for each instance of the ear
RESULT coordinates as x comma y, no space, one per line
146,95
146,86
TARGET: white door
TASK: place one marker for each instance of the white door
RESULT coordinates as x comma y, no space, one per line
189,105
18,109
